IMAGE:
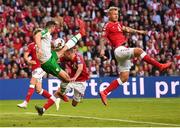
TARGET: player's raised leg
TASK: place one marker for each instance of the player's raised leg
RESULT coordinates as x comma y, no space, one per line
49,102
138,52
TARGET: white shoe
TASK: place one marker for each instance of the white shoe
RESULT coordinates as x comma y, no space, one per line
22,105
57,102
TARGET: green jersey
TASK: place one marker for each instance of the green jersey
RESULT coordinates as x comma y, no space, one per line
46,46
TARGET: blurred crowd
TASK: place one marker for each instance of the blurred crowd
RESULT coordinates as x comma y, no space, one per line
18,18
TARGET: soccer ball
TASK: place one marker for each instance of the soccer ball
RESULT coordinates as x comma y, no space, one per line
58,43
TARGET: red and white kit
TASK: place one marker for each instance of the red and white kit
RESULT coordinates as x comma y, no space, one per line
79,85
37,71
114,33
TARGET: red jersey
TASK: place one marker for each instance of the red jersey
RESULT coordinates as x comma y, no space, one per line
72,65
32,50
114,33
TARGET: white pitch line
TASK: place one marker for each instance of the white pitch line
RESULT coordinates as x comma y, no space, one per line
107,119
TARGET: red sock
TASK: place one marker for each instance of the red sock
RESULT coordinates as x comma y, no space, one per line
113,85
49,103
152,61
46,94
29,94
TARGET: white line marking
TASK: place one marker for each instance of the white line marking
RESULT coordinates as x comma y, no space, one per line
106,119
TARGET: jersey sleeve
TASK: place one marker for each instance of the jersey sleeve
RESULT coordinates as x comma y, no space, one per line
79,59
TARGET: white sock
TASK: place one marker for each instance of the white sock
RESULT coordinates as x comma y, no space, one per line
143,55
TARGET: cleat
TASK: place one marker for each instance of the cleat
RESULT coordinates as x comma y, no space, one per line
57,102
39,110
103,97
22,105
82,27
165,66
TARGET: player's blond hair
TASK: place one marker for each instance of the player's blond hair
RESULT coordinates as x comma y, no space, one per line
112,8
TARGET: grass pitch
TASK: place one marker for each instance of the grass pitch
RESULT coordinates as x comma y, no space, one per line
139,112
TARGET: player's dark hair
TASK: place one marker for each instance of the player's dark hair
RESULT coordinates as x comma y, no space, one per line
36,31
50,23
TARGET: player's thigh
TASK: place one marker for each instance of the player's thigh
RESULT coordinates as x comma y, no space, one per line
123,56
52,67
124,65
123,53
54,54
64,76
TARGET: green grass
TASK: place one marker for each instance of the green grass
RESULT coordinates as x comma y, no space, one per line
163,112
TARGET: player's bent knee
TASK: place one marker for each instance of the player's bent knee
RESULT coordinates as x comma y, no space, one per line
124,76
33,81
137,52
125,79
38,91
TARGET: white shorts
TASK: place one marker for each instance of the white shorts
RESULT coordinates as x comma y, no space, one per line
38,73
78,87
123,56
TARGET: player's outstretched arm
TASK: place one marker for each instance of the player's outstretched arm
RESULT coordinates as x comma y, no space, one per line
102,47
78,72
131,30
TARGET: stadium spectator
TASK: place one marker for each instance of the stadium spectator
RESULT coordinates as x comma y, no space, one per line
19,18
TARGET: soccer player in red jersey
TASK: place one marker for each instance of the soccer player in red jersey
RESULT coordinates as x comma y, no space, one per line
77,70
37,74
113,31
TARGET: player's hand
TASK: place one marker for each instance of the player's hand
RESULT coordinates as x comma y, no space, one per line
32,62
73,79
102,54
81,25
142,32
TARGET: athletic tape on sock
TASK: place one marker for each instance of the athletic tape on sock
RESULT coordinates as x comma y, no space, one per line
143,55
53,98
32,86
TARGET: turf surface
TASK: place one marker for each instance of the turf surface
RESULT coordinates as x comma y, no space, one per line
164,112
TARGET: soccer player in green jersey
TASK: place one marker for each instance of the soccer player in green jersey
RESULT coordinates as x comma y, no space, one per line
48,58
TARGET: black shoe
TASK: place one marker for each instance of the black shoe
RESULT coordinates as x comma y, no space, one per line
39,110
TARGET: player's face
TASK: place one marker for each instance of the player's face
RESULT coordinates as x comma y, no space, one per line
113,15
53,28
67,54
